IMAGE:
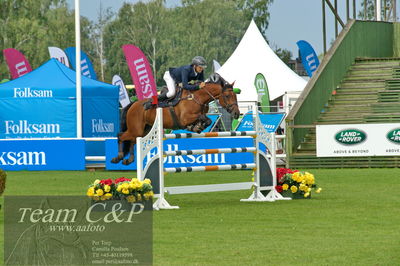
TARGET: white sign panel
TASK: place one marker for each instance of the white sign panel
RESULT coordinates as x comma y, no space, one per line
123,94
358,140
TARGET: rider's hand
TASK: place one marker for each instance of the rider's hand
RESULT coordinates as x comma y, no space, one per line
202,85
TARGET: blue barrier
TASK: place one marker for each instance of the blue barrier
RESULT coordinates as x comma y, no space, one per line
39,155
270,122
190,160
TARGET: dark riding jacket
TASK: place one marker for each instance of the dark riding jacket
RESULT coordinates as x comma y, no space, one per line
184,74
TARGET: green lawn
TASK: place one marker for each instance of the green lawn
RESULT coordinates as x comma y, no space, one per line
354,221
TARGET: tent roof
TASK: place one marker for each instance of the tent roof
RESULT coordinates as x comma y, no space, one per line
252,56
54,76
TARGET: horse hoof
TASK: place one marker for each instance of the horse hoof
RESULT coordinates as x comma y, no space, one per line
126,162
115,160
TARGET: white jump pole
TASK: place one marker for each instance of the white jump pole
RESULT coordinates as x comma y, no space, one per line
78,70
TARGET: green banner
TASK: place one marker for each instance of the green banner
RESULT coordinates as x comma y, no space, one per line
263,94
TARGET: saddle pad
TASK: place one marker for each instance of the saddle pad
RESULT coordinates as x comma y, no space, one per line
172,102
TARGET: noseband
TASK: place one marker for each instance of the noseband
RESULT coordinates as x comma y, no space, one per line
229,107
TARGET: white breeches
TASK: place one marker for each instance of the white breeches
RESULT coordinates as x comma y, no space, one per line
170,84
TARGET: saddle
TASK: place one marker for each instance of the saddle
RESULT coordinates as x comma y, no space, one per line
167,102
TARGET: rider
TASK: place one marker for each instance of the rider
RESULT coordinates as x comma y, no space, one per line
184,75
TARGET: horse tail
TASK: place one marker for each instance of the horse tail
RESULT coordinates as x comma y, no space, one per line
123,125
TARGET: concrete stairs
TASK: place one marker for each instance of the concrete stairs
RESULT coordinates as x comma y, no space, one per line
369,93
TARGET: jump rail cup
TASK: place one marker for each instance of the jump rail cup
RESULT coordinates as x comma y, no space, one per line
264,166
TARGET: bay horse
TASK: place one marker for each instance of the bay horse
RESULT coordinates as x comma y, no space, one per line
189,113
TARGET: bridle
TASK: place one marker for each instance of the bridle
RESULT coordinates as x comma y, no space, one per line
229,107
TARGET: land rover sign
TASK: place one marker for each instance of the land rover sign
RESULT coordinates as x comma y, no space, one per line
350,136
394,136
352,140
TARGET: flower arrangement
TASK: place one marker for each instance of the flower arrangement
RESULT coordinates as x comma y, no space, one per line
132,190
296,182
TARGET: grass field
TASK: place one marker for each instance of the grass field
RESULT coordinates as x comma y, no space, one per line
354,221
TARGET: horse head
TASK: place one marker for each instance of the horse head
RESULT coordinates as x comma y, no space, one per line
226,98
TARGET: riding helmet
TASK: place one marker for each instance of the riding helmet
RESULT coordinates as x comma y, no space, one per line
199,61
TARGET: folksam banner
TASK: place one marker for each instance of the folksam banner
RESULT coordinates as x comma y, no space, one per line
270,122
308,57
59,54
263,94
87,69
123,94
141,73
39,155
17,63
190,160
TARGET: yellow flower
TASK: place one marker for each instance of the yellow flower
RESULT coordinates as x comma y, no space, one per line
296,176
318,190
108,195
306,195
147,181
139,197
309,178
300,179
96,181
285,186
125,186
90,192
303,187
130,198
148,195
293,189
107,188
309,189
99,192
125,191
119,188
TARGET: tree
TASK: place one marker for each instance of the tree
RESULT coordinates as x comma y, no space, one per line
368,12
97,37
172,37
32,25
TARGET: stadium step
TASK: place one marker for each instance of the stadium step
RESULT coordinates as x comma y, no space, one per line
369,93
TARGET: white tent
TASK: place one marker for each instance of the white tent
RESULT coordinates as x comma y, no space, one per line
252,56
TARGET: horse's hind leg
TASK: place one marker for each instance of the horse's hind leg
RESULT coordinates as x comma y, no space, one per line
120,150
131,154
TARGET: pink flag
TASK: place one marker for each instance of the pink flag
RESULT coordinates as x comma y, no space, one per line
17,63
141,73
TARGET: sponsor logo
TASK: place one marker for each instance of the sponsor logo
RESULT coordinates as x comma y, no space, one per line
206,159
312,63
249,125
23,158
144,80
32,93
85,68
350,136
21,68
24,127
394,136
98,126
